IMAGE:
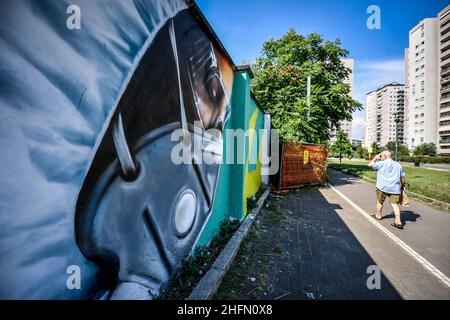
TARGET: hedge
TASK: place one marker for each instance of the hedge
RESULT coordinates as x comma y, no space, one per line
425,159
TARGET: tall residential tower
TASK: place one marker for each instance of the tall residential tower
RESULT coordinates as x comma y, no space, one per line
444,81
383,107
422,84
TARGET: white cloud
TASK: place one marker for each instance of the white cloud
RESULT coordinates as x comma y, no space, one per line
387,65
359,121
358,125
369,75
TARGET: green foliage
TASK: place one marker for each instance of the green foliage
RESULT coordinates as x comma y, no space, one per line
360,152
439,159
426,159
342,145
253,199
402,149
425,149
376,149
196,265
280,86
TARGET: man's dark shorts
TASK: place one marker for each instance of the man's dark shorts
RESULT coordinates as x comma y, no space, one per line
381,196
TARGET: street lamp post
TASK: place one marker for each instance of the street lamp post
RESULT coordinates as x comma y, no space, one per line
308,103
397,120
308,94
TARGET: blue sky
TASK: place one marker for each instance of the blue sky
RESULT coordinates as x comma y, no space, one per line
244,25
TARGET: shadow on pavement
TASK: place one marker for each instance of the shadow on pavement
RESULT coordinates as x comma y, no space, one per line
407,216
343,178
299,248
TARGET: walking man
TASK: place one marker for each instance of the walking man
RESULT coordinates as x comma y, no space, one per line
390,182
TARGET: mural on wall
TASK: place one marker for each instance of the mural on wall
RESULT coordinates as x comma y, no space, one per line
138,213
242,178
253,178
87,175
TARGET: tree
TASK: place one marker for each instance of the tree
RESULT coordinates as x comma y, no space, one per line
425,149
376,149
402,149
360,152
280,86
342,145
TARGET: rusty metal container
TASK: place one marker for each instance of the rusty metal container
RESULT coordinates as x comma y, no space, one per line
301,165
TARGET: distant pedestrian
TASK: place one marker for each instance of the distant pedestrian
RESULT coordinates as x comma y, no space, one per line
390,183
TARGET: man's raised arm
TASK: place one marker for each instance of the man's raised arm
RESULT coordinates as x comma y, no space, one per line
374,160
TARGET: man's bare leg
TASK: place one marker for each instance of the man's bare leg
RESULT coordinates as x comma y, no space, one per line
396,208
379,209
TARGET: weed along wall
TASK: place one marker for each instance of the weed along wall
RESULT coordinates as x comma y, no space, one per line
241,178
93,204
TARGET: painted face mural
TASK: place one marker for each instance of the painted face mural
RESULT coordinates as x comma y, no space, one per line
139,214
86,118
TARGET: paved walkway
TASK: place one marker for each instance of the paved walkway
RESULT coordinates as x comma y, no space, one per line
427,230
314,244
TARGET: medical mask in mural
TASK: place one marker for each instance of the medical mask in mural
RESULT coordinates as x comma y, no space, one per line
138,214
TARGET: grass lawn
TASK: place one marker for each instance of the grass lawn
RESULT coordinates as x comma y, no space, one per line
430,183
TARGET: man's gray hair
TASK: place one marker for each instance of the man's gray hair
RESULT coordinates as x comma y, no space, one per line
386,153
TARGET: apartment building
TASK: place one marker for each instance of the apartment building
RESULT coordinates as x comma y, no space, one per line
346,126
444,81
422,83
383,107
370,134
406,114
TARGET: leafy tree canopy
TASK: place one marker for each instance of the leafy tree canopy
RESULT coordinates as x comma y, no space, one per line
342,145
425,149
360,152
402,149
280,86
376,149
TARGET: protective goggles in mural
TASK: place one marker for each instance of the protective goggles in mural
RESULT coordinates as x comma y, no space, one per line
138,214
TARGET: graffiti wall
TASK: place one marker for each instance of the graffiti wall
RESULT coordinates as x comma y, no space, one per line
238,180
252,179
91,203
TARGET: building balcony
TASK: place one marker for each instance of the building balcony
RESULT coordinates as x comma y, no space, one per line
445,81
444,47
445,90
444,143
443,30
445,104
445,100
445,72
444,128
445,37
445,109
445,62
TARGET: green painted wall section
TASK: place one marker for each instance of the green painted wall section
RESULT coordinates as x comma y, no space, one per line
236,181
252,180
230,186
